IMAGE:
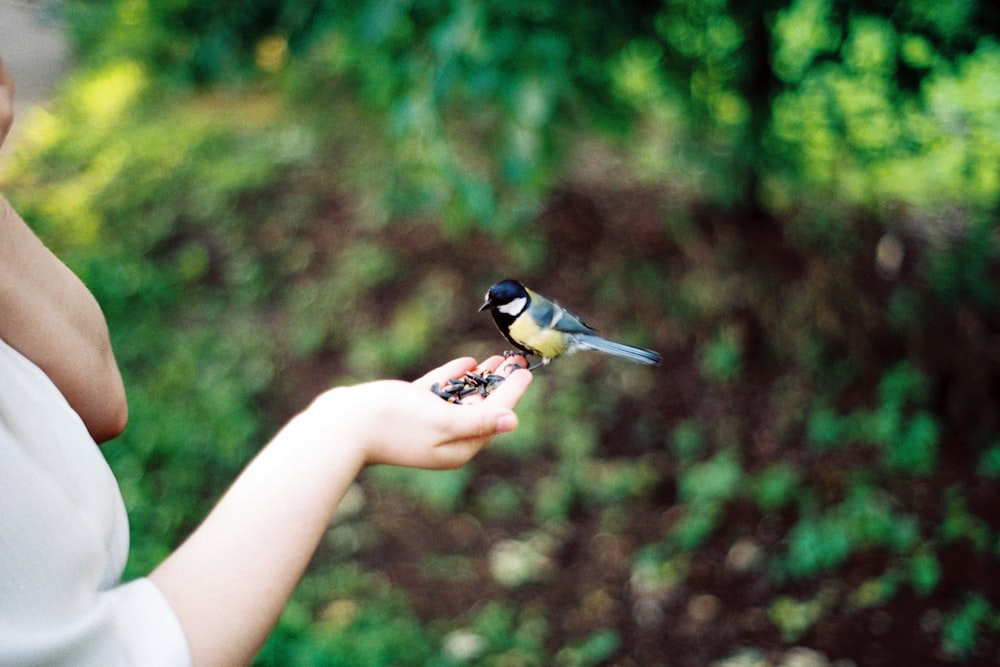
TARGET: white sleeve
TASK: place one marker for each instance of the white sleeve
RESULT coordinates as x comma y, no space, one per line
128,626
150,634
64,541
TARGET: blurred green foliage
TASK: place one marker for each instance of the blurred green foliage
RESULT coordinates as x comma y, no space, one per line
964,626
268,197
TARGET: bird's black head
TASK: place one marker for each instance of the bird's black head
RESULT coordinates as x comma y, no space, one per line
508,297
506,301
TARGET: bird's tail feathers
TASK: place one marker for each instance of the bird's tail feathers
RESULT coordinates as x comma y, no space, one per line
641,355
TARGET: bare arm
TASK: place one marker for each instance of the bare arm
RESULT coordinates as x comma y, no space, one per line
6,102
48,315
230,580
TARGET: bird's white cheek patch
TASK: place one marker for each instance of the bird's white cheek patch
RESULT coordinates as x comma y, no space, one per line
513,308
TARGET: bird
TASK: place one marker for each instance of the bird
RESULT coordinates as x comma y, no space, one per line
540,327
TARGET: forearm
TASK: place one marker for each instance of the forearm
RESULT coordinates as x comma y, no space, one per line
230,580
49,316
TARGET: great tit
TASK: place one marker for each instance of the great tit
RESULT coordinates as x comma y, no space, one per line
537,326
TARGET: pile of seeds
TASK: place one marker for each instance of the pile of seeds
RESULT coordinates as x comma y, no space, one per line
473,382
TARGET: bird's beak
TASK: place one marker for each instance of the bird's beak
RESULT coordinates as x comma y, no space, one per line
489,302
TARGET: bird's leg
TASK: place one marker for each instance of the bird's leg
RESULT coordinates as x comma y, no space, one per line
544,362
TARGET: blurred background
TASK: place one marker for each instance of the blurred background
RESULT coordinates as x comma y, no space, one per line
795,201
35,51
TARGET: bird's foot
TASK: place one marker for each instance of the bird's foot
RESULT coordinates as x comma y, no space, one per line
510,365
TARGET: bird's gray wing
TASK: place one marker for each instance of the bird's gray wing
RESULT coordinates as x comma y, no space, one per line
560,319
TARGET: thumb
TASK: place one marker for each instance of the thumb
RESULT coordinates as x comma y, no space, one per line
474,422
470,433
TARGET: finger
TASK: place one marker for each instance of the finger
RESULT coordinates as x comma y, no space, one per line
473,419
491,364
476,424
453,369
510,391
513,363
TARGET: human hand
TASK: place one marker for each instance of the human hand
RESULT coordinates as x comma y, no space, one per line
6,102
406,424
228,582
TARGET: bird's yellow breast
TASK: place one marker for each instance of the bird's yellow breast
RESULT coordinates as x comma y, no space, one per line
548,343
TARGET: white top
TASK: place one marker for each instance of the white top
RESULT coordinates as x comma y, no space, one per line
64,542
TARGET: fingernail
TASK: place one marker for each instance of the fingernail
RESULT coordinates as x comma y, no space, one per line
507,422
